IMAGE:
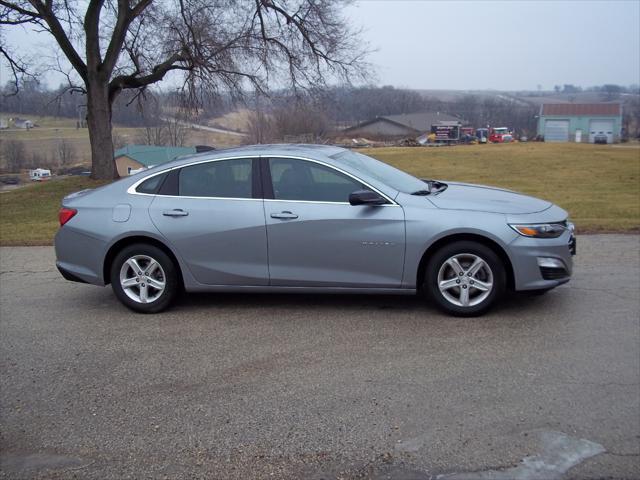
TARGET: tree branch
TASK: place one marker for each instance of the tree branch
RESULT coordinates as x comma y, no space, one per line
158,72
125,16
22,11
46,13
18,69
92,33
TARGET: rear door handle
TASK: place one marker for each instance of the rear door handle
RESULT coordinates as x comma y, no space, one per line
286,215
178,212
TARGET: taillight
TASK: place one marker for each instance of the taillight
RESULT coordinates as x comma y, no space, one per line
66,214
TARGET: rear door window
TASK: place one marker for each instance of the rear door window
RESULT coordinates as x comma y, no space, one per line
220,179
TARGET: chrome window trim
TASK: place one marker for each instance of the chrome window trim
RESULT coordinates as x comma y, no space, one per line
132,189
312,201
204,198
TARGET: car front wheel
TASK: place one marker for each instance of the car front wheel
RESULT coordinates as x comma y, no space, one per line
465,278
144,278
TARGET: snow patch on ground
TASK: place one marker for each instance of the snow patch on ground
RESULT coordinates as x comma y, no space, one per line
560,452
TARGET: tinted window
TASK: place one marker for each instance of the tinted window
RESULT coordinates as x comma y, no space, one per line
302,180
151,185
225,178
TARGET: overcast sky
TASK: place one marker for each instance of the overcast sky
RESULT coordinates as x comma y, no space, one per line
503,45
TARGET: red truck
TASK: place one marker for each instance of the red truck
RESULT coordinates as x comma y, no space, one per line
500,135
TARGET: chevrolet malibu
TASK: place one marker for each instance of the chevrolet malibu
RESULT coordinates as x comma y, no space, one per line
307,218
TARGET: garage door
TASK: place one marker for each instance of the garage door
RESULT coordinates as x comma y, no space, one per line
601,127
556,131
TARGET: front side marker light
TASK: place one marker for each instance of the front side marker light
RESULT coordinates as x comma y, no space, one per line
543,230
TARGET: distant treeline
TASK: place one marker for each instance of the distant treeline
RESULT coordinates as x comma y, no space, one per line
609,91
318,113
130,109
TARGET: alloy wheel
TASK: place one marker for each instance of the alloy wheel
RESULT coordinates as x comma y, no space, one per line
142,279
465,280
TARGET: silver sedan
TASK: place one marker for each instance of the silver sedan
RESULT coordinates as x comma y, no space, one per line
306,218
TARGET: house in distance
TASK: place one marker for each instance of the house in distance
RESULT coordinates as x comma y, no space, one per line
133,158
399,126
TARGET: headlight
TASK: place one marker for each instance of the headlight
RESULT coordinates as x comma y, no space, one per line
542,230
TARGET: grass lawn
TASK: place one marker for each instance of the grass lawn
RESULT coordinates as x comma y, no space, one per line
29,215
598,185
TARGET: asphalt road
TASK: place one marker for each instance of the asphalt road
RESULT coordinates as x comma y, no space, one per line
285,386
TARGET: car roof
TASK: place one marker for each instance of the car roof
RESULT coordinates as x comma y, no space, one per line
302,150
325,153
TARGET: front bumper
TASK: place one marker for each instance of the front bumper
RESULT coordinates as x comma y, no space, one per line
542,263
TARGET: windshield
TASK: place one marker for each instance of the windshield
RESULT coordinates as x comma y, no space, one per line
396,179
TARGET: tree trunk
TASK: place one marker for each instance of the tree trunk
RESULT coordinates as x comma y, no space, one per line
99,122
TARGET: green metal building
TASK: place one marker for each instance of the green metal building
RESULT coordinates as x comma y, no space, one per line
134,157
580,122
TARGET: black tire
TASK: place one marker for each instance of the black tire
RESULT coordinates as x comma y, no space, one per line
168,272
496,271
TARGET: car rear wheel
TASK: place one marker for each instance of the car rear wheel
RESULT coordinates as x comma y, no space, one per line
144,278
465,278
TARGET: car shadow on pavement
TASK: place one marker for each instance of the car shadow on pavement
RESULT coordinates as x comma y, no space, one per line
513,304
302,301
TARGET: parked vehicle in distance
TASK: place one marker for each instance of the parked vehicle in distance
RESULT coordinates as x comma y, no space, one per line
500,135
482,134
10,180
468,135
601,138
446,132
309,218
39,175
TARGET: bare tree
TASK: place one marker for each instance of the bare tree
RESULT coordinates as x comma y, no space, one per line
226,44
14,155
300,118
153,135
118,140
261,128
37,160
169,131
65,153
176,131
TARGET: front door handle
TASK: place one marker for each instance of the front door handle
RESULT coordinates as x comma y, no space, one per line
178,212
286,215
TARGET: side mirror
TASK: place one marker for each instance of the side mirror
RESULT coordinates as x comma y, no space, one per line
366,197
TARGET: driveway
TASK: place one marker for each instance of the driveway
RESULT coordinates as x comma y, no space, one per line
286,386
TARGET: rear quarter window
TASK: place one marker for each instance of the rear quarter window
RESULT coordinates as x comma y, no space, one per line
151,185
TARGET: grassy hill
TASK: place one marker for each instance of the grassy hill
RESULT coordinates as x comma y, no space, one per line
598,185
29,215
44,139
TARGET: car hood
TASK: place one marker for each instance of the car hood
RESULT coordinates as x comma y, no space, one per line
480,198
